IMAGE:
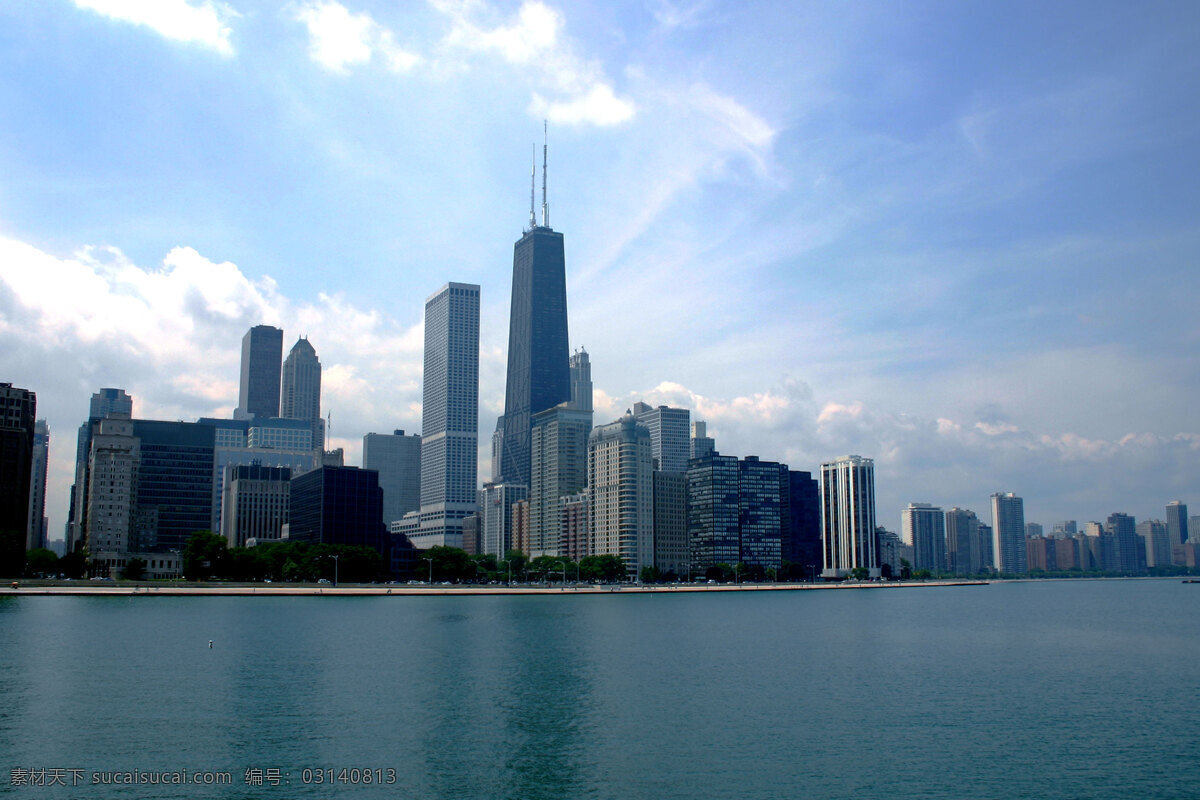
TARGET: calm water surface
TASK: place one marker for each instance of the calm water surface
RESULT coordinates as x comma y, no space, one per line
1039,690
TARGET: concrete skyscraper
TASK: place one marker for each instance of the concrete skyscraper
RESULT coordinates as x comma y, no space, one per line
449,414
262,353
538,376
923,526
963,553
300,391
1008,534
621,493
669,440
104,402
701,444
848,536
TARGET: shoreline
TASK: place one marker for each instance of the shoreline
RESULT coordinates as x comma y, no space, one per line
405,590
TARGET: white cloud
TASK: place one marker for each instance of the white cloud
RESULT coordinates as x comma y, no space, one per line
568,88
170,335
207,23
339,39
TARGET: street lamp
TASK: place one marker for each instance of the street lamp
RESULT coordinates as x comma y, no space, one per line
508,563
335,567
430,560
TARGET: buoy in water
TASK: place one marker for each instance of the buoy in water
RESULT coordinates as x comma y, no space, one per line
210,644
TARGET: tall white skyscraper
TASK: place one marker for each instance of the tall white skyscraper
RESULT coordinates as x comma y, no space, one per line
669,435
848,517
300,392
1008,534
449,415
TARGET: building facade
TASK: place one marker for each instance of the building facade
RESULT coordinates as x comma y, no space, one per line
449,414
338,505
538,370
397,458
963,554
262,357
672,551
670,441
1177,521
848,537
256,504
300,389
713,512
1008,534
621,493
36,533
104,402
924,527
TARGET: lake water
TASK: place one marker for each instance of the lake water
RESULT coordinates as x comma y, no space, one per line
1039,690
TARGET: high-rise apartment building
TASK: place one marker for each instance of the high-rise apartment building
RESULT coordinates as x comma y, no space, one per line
496,517
397,459
35,536
104,402
300,389
670,443
671,547
1130,552
18,410
450,414
262,355
848,536
1177,522
538,376
760,511
1008,534
924,527
1156,540
621,493
963,551
713,511
801,538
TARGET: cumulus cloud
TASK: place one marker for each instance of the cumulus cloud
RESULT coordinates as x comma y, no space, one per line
170,335
339,39
207,23
569,88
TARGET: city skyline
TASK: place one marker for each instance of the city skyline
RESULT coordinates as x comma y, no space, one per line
934,260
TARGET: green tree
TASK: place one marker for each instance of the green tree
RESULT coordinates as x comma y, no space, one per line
605,568
135,569
449,563
40,563
205,556
516,563
860,573
72,565
651,574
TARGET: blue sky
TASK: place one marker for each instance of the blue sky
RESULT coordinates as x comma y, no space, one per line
958,238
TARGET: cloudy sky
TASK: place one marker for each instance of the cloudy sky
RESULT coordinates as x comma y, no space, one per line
960,238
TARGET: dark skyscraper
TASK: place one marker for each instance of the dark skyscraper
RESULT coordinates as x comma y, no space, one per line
538,372
262,354
18,408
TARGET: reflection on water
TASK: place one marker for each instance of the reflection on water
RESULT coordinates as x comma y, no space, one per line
1072,687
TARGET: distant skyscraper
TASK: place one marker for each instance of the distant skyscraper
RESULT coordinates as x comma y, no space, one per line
760,511
580,370
104,402
713,511
1008,534
538,376
621,493
1177,522
669,440
848,517
397,459
496,517
963,555
18,409
450,414
1129,550
801,537
36,532
1033,530
262,354
671,546
701,444
300,393
924,527
1157,542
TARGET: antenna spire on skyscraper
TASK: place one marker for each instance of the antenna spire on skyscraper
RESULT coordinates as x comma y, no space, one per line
532,181
545,203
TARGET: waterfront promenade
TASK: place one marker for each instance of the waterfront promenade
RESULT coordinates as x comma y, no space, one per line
104,588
